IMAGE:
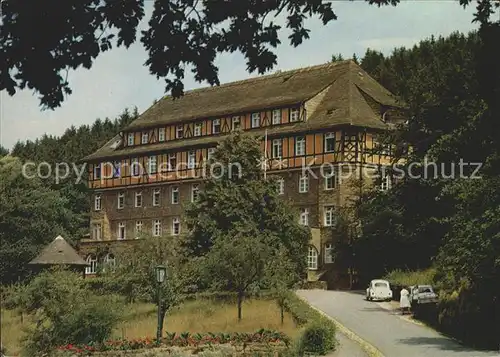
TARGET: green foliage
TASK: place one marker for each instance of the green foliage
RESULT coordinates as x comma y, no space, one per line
318,336
65,312
31,216
239,224
318,339
244,205
409,278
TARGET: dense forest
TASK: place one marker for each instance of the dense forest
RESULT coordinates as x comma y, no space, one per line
451,224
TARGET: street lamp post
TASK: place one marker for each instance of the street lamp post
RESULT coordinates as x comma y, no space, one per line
161,273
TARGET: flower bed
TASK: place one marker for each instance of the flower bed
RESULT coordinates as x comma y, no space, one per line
262,339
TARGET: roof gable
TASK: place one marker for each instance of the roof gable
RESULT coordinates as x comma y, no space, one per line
58,252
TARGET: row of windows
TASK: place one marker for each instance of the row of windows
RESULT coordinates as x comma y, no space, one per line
109,261
156,197
255,122
328,216
312,256
152,164
300,146
156,230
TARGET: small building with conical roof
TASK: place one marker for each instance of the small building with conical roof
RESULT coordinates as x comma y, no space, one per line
59,253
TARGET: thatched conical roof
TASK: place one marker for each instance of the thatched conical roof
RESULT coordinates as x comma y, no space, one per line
58,252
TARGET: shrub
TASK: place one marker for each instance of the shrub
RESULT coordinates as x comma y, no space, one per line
66,312
319,333
317,338
408,278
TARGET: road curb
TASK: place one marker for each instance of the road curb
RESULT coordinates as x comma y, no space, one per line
370,350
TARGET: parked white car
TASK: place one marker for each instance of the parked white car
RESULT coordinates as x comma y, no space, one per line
379,290
423,294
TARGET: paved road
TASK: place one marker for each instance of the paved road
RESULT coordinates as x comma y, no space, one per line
391,334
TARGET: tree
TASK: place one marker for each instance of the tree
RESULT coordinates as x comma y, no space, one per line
3,151
180,33
281,278
235,263
241,202
134,273
337,58
31,215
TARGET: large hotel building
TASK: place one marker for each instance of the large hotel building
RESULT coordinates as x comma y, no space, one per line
326,114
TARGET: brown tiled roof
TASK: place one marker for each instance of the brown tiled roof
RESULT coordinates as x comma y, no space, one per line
343,104
58,252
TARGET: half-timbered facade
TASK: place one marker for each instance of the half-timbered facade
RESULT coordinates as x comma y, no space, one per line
327,118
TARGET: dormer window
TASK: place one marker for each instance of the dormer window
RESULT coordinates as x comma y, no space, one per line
294,115
130,139
216,126
179,132
145,138
161,134
255,120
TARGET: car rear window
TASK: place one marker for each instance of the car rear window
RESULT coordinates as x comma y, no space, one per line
380,285
424,289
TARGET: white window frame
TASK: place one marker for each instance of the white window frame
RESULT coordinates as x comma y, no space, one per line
131,139
97,231
172,157
138,229
135,167
144,138
191,164
110,261
328,137
195,190
152,165
300,143
174,193
294,115
255,120
328,215
234,121
304,216
385,183
312,258
277,149
122,227
179,131
330,179
276,117
156,197
97,202
97,171
197,129
176,222
210,153
156,227
328,258
281,186
136,199
121,200
161,134
92,261
216,124
303,183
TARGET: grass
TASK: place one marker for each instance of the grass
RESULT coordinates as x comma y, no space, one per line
196,316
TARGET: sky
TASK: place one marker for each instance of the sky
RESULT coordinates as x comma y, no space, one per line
118,78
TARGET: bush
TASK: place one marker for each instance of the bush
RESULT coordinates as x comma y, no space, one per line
66,312
319,333
409,278
317,338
